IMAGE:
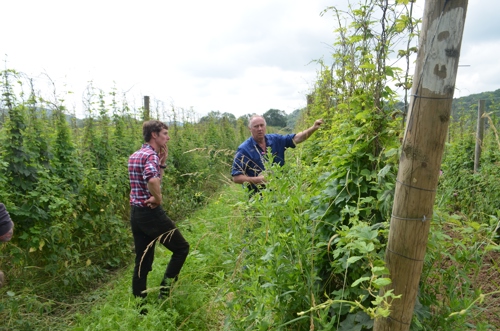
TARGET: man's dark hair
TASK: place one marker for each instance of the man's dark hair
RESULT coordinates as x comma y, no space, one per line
152,126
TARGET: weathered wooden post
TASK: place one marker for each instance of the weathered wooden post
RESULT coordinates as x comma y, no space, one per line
479,135
422,150
146,113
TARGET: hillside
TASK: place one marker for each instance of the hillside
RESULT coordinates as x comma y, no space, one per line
468,105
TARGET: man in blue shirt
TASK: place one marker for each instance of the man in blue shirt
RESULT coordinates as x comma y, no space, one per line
249,160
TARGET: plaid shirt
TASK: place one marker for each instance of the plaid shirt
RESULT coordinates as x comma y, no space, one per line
142,166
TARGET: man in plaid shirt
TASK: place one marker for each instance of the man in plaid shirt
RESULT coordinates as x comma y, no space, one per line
149,221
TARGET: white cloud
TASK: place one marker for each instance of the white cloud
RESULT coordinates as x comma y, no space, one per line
479,73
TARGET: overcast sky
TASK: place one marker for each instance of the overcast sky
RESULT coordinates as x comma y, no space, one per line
232,56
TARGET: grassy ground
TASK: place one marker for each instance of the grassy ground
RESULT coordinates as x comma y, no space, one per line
199,300
198,297
196,300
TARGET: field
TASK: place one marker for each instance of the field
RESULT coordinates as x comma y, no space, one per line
307,254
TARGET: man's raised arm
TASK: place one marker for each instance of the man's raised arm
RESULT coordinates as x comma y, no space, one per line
304,135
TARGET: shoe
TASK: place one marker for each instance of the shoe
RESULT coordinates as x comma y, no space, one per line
142,310
165,286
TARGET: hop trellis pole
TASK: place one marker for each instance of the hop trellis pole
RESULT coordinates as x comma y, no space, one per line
422,151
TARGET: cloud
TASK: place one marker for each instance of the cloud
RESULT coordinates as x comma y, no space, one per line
481,73
479,69
482,23
225,55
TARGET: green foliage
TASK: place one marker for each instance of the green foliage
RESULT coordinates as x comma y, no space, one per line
466,105
67,190
275,280
275,117
217,116
355,157
291,119
18,155
306,254
315,253
65,161
199,157
449,296
197,299
466,192
282,282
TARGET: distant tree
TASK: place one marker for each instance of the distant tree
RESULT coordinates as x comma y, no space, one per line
217,116
245,119
293,117
275,117
213,115
229,117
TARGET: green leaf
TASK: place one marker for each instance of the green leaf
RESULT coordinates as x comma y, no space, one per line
267,285
269,254
362,279
368,66
367,173
353,259
475,225
380,271
381,282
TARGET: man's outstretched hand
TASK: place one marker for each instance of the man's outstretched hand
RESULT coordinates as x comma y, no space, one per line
317,124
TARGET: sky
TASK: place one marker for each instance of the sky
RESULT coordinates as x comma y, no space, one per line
240,57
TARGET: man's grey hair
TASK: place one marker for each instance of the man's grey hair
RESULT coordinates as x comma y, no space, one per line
254,116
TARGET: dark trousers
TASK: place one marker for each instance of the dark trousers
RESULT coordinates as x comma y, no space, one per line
148,227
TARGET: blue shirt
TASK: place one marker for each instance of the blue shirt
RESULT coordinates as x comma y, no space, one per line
249,159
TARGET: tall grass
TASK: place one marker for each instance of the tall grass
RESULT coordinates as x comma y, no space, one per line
198,300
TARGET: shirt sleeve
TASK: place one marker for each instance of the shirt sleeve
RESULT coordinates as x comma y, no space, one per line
289,143
239,162
151,168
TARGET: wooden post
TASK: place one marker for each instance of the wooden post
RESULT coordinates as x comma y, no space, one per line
479,135
146,113
422,151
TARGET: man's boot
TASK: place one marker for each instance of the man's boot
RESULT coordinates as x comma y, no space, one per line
165,287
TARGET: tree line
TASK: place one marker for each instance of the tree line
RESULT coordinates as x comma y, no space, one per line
274,117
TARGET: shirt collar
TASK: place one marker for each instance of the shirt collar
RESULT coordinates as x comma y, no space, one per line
254,142
146,145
